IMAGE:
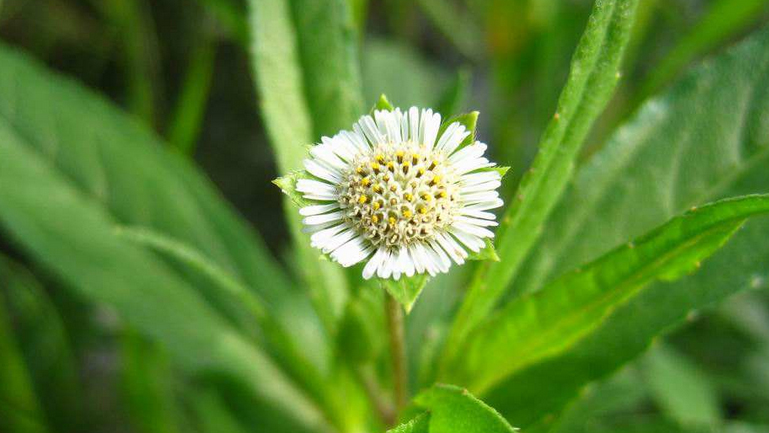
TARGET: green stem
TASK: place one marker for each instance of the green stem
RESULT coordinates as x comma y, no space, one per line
397,351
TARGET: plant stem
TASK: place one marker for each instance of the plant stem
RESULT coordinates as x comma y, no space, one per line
397,351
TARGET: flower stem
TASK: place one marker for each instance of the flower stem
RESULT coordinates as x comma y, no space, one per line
397,351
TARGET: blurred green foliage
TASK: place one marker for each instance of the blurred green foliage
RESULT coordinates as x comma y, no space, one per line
133,310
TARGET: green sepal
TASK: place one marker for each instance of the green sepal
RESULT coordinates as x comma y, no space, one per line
406,290
287,184
382,104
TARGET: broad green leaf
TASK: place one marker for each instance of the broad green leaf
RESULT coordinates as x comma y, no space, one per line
420,424
124,167
681,389
704,139
147,386
454,410
20,409
44,344
286,76
536,327
72,235
594,73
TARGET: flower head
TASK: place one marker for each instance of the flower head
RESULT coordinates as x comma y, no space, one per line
397,193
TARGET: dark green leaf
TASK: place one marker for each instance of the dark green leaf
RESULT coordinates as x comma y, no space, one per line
455,95
420,424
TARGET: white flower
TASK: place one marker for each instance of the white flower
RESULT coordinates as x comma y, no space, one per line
393,192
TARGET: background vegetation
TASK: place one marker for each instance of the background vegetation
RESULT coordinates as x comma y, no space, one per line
102,206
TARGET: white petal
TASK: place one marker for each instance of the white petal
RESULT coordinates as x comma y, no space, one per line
317,209
453,249
319,239
357,139
486,205
475,150
478,231
405,263
470,164
477,197
324,153
470,241
320,219
477,213
321,171
415,258
320,197
370,130
352,252
451,138
476,221
442,259
314,186
488,186
432,126
479,177
414,124
385,268
373,264
338,240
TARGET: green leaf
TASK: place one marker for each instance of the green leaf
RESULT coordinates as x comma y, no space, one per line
536,327
44,344
20,410
406,290
49,217
594,73
454,410
709,129
681,389
213,415
72,168
125,168
486,253
300,69
420,424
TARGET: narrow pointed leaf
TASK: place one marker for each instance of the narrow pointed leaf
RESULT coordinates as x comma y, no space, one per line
533,328
594,73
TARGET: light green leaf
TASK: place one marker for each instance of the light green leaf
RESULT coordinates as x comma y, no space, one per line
213,415
73,236
456,25
406,290
533,328
290,60
454,410
594,73
681,389
710,129
486,253
43,342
